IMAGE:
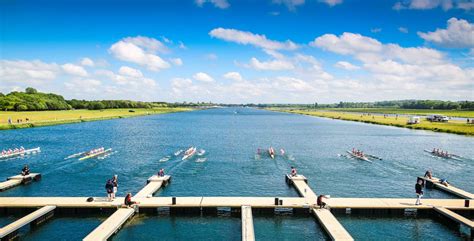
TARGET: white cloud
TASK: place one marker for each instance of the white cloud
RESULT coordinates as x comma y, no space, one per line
431,4
376,30
245,38
222,4
292,4
73,69
83,85
203,77
211,56
128,71
347,43
182,46
346,65
276,65
150,45
87,62
141,51
403,29
459,34
176,61
233,76
27,71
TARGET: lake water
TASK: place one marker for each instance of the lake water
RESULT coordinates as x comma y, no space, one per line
231,137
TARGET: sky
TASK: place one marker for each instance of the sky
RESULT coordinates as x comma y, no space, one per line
239,51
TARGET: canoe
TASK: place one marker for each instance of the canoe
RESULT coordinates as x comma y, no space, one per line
363,158
21,153
271,152
449,156
95,154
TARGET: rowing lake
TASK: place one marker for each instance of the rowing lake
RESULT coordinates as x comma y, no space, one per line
231,137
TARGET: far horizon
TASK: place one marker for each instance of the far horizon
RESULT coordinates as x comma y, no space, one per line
240,52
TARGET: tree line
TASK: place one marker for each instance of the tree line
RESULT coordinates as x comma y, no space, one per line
32,100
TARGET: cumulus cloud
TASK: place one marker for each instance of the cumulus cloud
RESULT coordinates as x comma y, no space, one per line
19,71
83,85
346,65
128,71
176,61
73,69
233,76
458,34
141,51
248,38
87,62
203,77
431,4
403,30
276,65
222,4
347,43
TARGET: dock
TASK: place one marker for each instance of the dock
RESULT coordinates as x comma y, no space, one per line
10,232
248,233
330,224
18,180
199,205
113,223
435,182
301,184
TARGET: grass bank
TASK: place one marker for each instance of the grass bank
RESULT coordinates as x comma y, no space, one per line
455,127
47,118
451,113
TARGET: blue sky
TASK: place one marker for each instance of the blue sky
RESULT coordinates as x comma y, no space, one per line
268,51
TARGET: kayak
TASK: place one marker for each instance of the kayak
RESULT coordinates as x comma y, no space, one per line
201,152
94,154
189,152
363,158
21,153
177,153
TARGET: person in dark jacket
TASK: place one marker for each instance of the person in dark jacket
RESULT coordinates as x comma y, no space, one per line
109,187
419,192
25,171
320,201
128,200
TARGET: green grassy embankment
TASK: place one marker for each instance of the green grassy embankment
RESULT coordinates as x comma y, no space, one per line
453,126
46,118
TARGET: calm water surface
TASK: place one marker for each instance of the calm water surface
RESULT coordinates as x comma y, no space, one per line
231,137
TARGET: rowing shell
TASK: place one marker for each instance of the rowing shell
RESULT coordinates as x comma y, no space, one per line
449,156
190,152
363,158
25,152
95,154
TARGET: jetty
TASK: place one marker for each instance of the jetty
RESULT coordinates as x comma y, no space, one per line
112,224
436,183
10,232
448,209
18,180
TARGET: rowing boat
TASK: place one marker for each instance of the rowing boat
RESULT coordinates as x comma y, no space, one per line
94,154
271,152
201,152
449,156
178,152
363,158
21,153
189,152
74,155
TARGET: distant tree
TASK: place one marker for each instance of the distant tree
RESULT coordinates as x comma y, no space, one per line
31,90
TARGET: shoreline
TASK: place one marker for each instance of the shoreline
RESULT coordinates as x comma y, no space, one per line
451,128
89,119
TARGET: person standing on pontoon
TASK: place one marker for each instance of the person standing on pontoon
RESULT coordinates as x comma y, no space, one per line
115,189
419,192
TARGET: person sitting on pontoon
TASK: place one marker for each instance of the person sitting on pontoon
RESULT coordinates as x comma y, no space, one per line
25,171
429,174
293,172
444,181
128,200
320,201
161,173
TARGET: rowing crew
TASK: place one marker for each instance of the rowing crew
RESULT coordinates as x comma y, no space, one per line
14,151
358,153
94,151
437,152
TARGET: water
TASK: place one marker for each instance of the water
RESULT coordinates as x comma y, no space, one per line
231,169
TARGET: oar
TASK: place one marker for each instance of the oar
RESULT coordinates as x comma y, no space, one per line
375,157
